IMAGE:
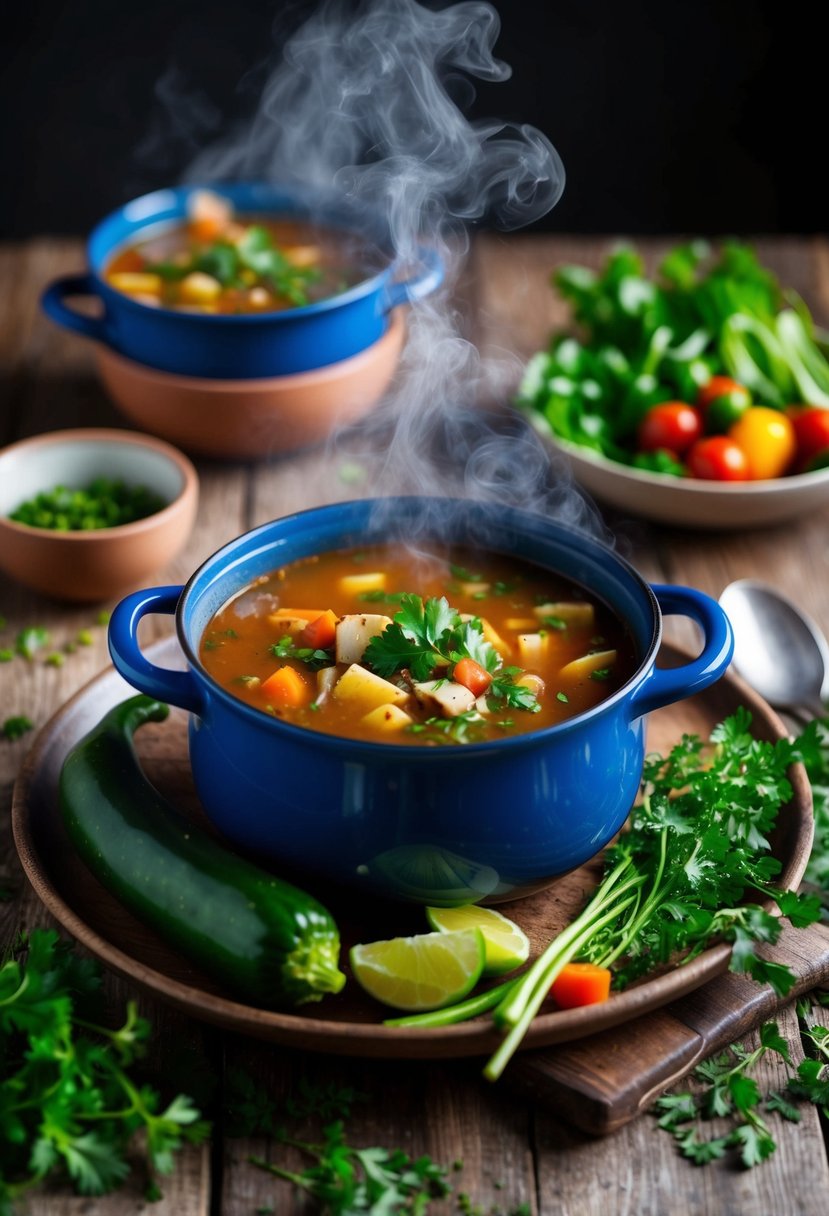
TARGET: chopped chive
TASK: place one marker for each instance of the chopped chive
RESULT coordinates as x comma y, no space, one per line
562,696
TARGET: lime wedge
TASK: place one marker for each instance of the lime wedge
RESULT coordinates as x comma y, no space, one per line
506,946
420,973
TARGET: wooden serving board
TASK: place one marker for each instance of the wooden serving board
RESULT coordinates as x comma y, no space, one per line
603,1081
350,1023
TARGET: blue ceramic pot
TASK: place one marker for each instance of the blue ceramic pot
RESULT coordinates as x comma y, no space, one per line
247,346
486,821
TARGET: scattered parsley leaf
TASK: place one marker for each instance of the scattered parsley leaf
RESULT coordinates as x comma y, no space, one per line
15,727
30,640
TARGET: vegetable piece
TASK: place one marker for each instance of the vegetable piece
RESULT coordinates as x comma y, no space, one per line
811,433
266,941
355,631
671,426
532,647
319,634
363,691
199,288
17,726
723,402
718,458
580,984
136,282
575,614
445,697
30,640
474,677
388,718
588,665
286,687
768,439
423,972
103,503
359,584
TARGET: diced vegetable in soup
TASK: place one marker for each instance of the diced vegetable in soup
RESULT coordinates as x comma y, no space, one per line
382,645
218,262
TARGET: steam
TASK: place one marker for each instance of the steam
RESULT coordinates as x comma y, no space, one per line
368,98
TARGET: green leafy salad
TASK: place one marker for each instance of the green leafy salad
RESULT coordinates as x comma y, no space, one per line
642,342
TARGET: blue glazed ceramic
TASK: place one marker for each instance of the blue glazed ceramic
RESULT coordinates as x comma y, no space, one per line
479,822
247,346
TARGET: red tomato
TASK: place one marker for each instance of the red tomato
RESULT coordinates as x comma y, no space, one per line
671,426
811,432
720,386
767,438
718,458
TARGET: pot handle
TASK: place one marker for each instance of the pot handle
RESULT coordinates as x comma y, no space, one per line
423,282
52,303
177,687
666,685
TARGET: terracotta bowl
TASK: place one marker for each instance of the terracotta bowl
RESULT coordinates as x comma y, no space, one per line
252,419
98,564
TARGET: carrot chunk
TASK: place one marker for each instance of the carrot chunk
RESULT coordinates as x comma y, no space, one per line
286,688
320,633
580,984
472,676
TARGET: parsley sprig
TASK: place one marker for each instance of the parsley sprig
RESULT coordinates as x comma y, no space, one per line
69,1102
696,847
429,636
286,648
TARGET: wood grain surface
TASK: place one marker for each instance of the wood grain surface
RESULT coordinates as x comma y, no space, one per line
516,1148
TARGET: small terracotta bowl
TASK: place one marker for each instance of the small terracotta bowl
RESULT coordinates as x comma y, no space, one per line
105,562
252,419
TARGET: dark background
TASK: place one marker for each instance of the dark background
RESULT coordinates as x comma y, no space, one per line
686,117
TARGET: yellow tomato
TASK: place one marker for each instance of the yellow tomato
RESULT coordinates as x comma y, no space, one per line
767,438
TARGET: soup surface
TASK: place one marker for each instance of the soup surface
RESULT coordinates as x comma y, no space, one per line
383,645
218,262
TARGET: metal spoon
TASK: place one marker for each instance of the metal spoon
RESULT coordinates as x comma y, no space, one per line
778,649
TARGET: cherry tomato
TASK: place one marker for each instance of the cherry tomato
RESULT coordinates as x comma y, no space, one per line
671,426
767,437
811,432
720,386
718,458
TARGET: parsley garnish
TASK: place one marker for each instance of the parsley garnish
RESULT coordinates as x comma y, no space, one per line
429,635
377,596
68,1102
15,727
30,640
601,674
463,728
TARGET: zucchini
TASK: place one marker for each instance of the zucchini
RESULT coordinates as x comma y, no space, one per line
263,939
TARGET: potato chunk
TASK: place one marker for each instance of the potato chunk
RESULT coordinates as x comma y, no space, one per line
356,584
532,647
136,282
355,631
445,697
363,691
200,288
387,718
581,669
284,625
576,614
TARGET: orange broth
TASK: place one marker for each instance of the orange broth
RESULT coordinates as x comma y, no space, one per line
510,598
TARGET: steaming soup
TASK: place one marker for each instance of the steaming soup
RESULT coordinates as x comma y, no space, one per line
218,262
376,644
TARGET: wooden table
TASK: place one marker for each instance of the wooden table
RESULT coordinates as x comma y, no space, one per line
513,1151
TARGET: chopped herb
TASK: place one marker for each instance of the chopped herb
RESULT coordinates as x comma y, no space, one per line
84,637
70,1105
55,659
16,726
6,655
103,503
598,640
31,640
286,648
467,727
463,575
601,674
250,680
554,622
212,644
562,696
480,595
377,596
103,617
351,474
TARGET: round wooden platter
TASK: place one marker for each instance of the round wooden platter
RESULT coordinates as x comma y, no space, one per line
349,1023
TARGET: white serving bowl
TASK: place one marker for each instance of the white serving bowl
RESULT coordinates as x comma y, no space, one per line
690,503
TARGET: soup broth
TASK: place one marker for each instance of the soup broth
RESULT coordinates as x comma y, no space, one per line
380,645
218,262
